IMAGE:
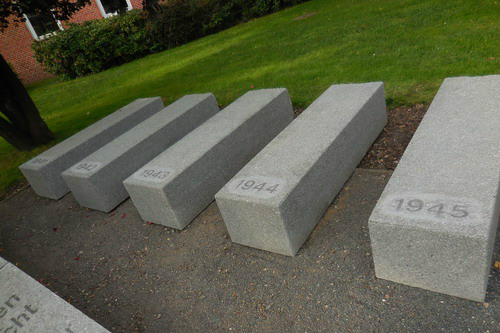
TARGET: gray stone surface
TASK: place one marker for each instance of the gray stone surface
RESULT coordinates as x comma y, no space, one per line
2,262
97,181
434,225
44,171
28,307
177,185
275,201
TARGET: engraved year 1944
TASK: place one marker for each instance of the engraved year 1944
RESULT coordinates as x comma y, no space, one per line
436,208
251,185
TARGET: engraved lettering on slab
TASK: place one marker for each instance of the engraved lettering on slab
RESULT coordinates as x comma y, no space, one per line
257,186
433,207
154,174
40,160
15,314
27,307
86,167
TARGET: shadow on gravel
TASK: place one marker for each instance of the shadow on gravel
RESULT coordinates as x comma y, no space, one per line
131,276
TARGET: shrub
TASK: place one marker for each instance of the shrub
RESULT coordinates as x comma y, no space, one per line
94,46
179,21
176,22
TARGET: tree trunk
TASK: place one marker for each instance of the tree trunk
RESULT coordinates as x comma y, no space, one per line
25,128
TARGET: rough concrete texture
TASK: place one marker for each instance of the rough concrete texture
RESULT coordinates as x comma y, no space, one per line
26,306
275,201
138,277
2,262
44,171
177,185
97,180
434,225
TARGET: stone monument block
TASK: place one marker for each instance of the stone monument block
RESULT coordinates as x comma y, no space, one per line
276,200
434,226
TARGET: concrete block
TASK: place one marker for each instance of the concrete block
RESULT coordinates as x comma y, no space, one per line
97,181
275,201
177,185
27,306
434,225
44,171
2,262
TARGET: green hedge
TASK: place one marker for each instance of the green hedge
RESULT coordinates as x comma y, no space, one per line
177,22
225,13
94,46
180,21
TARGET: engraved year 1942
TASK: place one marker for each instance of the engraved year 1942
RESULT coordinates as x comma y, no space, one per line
436,208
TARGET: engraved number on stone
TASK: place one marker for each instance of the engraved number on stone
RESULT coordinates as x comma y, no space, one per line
252,185
438,209
151,173
416,205
459,211
40,160
87,167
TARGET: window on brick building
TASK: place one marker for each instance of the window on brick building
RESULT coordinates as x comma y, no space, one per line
42,26
112,7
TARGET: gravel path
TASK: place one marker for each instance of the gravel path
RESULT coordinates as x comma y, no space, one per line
131,276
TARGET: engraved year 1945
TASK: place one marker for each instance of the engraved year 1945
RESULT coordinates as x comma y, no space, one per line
436,208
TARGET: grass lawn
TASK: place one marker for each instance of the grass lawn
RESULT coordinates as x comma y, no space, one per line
411,45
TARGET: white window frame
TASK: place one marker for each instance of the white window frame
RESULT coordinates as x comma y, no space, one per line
106,15
42,37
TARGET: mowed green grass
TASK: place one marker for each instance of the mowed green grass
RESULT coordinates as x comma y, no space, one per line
411,45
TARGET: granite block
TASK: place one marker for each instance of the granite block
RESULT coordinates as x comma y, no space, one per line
3,262
177,185
276,200
97,180
44,171
435,223
26,307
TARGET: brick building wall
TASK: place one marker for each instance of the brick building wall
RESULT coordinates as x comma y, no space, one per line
16,40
